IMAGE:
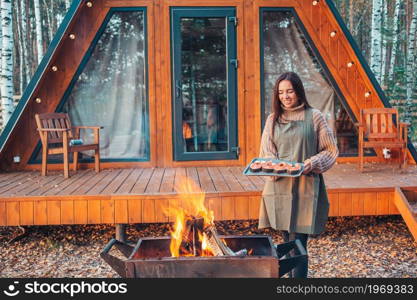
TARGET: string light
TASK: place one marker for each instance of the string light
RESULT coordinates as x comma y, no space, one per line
38,100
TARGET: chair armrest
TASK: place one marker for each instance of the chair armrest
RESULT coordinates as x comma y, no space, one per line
95,128
87,127
54,129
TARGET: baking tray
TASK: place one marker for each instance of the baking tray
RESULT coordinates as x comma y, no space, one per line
248,171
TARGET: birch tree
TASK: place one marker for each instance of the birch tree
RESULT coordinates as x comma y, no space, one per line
376,50
410,64
38,23
19,38
1,41
6,61
25,41
396,32
384,42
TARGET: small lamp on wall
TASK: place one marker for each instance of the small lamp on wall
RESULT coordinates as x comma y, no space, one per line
315,2
72,36
333,33
38,100
367,94
89,4
54,68
350,64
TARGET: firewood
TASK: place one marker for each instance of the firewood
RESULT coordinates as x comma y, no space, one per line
218,247
190,243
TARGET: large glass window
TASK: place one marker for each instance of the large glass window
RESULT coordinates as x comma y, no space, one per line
204,84
110,89
285,48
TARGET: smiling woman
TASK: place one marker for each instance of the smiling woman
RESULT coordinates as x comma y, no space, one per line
296,132
287,94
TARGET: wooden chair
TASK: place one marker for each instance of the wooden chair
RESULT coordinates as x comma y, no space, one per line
56,132
377,130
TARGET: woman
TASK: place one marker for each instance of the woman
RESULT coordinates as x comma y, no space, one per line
298,206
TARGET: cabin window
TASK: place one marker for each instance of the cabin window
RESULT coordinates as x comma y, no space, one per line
285,47
110,88
204,83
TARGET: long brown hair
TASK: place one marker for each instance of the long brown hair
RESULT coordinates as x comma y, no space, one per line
298,87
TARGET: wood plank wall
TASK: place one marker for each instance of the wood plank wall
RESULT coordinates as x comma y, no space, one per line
318,20
149,209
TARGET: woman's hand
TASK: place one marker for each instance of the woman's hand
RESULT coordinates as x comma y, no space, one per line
307,167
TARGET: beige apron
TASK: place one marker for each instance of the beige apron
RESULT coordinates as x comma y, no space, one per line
295,204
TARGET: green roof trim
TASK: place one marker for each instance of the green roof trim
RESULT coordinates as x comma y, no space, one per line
365,65
27,94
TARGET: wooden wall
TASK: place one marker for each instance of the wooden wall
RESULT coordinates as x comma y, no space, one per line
318,20
57,210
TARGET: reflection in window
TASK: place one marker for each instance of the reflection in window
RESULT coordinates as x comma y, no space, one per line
204,84
111,90
285,48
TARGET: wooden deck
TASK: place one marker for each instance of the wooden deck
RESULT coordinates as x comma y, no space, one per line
142,195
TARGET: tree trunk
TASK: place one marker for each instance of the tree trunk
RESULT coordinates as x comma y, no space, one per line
50,27
38,22
410,65
1,42
351,14
19,39
6,61
384,43
376,49
395,34
25,42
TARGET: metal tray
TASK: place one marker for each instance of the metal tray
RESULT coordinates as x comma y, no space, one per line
248,171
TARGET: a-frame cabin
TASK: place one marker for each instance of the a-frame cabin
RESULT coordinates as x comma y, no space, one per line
183,87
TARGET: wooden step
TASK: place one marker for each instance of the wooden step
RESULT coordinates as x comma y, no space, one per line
405,200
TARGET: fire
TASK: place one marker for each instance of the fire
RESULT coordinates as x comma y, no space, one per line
191,217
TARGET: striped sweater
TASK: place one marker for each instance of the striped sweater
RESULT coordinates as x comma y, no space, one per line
328,151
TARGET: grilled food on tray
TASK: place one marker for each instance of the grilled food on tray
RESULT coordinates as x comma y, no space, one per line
294,169
280,168
268,166
276,168
256,166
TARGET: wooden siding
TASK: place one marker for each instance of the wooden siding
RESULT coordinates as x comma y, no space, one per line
143,195
318,21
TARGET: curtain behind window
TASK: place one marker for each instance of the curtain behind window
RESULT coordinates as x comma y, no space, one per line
111,90
286,49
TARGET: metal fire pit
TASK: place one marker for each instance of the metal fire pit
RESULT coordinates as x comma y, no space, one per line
151,258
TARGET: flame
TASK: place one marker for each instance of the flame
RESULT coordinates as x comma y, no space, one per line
207,251
191,208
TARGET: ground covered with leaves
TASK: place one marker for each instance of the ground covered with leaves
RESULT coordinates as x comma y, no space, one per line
350,247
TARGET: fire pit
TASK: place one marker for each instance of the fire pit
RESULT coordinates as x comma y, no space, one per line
151,258
194,248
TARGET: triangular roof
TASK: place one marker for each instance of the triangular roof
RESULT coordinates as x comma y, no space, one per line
78,13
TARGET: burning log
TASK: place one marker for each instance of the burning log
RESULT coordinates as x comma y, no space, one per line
191,243
218,247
